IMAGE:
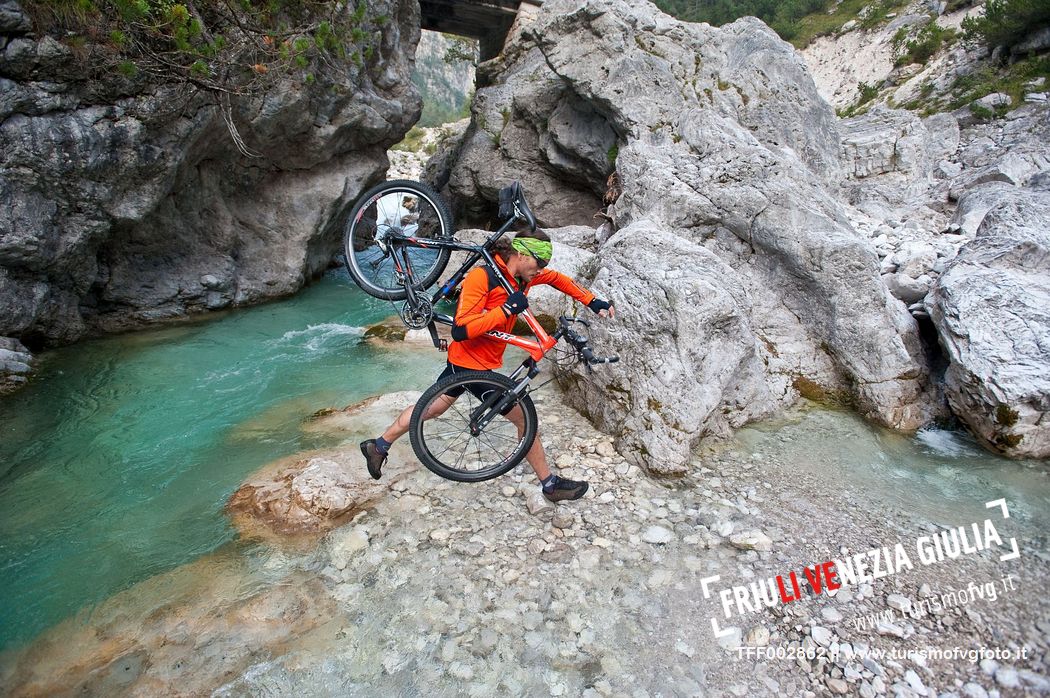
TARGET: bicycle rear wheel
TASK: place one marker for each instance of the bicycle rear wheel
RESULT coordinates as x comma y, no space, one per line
398,208
448,445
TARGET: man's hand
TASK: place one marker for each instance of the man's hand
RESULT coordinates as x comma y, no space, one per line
603,308
516,303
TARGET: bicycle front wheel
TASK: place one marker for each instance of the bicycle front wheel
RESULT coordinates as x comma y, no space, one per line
394,209
450,442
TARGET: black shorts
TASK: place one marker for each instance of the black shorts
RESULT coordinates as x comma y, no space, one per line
475,389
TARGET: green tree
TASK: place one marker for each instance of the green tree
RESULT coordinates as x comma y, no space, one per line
1007,22
227,48
462,50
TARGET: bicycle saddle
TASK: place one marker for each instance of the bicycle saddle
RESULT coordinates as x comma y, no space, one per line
512,204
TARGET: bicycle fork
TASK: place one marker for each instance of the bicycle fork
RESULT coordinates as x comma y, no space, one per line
497,403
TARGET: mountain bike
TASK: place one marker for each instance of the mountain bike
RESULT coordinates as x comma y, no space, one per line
398,241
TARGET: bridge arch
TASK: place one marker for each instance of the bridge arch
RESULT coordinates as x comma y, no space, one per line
488,21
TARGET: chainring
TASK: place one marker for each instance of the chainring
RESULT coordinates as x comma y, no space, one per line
418,315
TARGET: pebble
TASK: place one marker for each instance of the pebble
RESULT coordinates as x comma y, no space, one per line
440,535
838,686
731,640
898,602
831,615
489,638
1007,677
723,528
563,519
821,635
915,682
974,690
751,540
1040,683
657,535
872,666
509,491
758,637
884,628
537,546
589,558
537,504
346,547
532,620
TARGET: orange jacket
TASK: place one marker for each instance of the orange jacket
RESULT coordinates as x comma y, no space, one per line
479,311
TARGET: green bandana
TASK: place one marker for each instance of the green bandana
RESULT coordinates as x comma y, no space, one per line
540,249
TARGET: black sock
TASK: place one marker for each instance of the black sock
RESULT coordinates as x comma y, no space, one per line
549,482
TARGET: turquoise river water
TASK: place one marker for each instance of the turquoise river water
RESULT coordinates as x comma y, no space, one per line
115,463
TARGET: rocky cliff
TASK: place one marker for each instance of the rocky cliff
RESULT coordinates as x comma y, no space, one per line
445,86
126,202
739,279
748,252
958,218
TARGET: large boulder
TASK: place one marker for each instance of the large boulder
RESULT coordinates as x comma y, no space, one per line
991,308
729,162
129,202
311,493
675,300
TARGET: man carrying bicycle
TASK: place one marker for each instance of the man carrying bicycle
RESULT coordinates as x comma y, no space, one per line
484,306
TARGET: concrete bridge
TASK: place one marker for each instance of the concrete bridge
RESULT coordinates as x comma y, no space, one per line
488,21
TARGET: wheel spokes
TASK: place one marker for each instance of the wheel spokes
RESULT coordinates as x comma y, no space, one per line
449,440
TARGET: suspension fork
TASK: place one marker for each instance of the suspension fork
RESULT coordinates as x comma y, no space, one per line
496,403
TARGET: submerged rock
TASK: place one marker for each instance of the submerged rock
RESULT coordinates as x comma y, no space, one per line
178,633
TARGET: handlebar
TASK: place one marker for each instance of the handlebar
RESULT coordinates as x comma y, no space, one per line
580,343
593,360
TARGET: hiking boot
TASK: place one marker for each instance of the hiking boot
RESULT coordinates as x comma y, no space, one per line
565,489
373,458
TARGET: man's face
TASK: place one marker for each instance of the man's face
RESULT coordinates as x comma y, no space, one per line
528,267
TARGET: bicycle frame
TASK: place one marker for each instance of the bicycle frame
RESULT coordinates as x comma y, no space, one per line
537,348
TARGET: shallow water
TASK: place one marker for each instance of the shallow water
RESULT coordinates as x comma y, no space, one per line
941,475
116,462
